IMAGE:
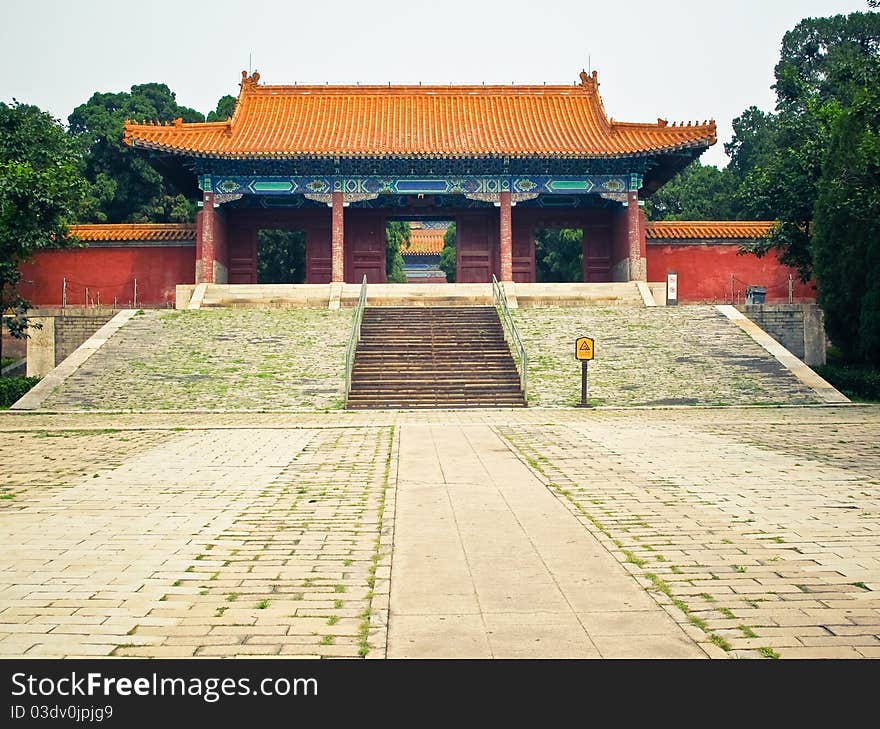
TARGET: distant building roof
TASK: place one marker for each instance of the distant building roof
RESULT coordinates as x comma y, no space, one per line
419,121
424,241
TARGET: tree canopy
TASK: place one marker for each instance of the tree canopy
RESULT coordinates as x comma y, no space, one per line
448,260
559,255
124,186
698,192
224,109
281,256
846,243
42,190
824,63
397,237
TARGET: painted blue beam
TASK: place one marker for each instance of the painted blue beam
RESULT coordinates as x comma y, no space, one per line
429,185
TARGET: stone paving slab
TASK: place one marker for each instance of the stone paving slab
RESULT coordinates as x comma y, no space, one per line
212,542
487,563
767,552
757,530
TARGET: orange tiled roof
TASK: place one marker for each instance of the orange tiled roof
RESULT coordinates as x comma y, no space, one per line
708,228
134,231
418,121
424,241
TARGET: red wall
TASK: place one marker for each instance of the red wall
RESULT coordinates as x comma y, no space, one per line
110,272
704,273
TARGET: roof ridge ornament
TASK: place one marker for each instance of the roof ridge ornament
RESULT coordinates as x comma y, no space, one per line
589,81
250,82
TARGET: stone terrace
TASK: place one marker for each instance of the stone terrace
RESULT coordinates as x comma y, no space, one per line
292,358
689,355
215,359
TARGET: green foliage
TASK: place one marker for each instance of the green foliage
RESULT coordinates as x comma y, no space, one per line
448,258
559,255
397,237
225,107
698,192
859,383
846,243
823,64
12,388
281,256
41,191
124,186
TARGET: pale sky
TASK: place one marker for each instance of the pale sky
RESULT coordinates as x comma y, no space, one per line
686,60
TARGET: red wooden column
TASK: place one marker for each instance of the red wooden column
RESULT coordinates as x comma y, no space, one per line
636,237
337,249
506,239
206,240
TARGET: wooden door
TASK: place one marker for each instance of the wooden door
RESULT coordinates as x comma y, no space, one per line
364,246
242,243
475,248
597,252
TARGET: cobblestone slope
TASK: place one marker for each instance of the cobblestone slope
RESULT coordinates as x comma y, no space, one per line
662,356
225,358
293,358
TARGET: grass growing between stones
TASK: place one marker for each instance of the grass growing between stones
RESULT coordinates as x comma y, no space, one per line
658,584
364,628
216,358
689,355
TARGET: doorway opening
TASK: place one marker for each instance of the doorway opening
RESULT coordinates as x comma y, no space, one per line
559,255
281,256
423,248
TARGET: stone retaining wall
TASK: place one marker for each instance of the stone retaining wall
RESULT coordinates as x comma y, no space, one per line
62,331
797,327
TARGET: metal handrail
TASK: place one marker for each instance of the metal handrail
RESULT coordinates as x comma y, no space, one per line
355,336
499,301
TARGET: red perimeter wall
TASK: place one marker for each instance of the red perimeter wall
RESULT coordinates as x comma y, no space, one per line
704,273
110,272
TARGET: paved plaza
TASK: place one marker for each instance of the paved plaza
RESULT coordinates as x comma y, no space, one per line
690,532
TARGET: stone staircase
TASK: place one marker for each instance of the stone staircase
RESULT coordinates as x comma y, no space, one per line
433,357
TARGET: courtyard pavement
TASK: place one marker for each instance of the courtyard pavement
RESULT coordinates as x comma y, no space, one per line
728,532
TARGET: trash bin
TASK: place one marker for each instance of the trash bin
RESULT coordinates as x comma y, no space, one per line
755,294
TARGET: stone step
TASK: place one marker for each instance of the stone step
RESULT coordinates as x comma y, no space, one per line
433,357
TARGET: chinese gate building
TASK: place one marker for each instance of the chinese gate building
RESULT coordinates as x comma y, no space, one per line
337,162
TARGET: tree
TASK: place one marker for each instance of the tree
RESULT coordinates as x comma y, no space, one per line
846,243
751,143
124,186
41,191
559,255
698,192
281,256
225,107
397,237
448,260
823,64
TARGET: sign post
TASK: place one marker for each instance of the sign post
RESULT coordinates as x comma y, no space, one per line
584,351
671,288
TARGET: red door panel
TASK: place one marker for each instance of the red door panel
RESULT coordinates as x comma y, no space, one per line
475,249
242,255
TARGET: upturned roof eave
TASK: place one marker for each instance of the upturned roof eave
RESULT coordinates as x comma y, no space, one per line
698,145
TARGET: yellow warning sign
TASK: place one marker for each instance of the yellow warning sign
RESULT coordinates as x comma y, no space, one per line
584,348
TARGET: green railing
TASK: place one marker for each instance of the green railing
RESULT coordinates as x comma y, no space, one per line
355,336
499,300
